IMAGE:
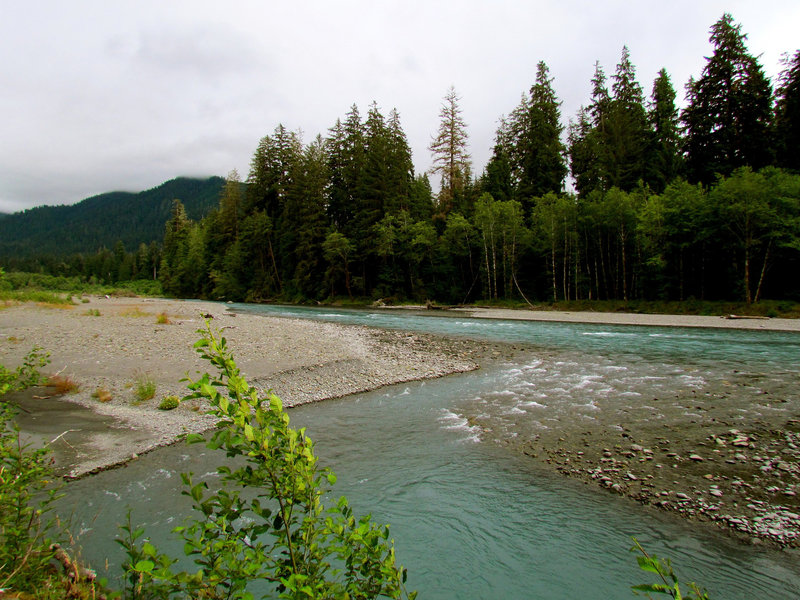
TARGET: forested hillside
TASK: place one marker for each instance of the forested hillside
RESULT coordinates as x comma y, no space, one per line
633,198
102,221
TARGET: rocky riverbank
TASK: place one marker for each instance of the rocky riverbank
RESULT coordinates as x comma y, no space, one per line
708,467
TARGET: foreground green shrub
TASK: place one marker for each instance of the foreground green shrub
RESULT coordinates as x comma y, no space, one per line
24,474
169,403
668,584
267,522
25,376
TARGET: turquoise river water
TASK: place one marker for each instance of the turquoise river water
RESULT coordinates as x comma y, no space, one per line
471,519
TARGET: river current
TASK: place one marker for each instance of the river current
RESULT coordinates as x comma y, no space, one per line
471,519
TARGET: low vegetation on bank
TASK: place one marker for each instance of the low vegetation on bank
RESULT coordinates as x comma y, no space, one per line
16,286
20,287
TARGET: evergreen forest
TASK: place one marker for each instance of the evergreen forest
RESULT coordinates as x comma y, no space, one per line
633,198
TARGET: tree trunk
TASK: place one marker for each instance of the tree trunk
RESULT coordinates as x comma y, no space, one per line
347,279
494,268
622,240
275,265
604,270
488,269
748,299
565,266
553,269
763,272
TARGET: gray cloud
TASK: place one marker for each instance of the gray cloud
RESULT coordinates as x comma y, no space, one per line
101,96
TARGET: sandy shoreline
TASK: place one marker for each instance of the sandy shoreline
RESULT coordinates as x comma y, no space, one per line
613,318
710,469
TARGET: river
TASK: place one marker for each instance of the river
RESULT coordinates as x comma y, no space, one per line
471,519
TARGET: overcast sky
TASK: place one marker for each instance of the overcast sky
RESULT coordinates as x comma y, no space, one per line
124,95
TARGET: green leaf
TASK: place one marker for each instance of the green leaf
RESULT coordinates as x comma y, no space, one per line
649,564
144,566
195,438
148,549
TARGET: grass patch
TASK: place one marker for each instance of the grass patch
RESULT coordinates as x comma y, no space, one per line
102,395
163,319
92,312
144,388
41,297
62,384
764,308
20,280
135,312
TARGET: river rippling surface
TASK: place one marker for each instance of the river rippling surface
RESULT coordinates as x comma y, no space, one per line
474,520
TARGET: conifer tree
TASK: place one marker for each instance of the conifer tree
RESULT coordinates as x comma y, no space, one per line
583,153
627,136
601,100
666,160
449,149
346,166
230,206
270,171
496,179
174,249
309,219
787,117
269,184
588,150
400,171
420,202
535,150
729,109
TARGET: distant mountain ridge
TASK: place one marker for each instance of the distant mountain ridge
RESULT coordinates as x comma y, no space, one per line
100,221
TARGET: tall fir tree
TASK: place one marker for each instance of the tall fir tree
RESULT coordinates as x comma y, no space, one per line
270,182
173,255
346,156
787,115
666,160
627,134
496,179
535,149
309,220
374,189
449,149
230,206
270,171
587,136
400,167
420,199
729,109
583,151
